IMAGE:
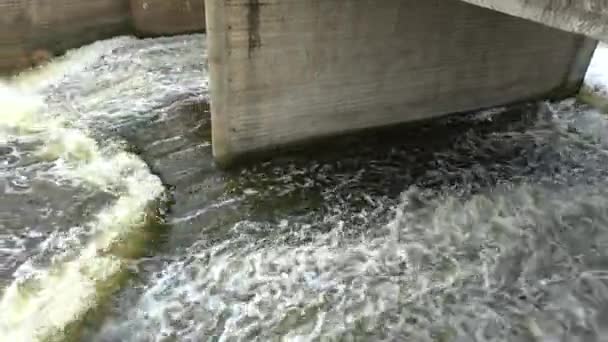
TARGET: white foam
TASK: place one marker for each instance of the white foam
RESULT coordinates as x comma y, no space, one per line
69,289
40,303
452,260
439,263
20,112
73,62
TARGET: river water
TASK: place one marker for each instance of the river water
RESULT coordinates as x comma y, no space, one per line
115,225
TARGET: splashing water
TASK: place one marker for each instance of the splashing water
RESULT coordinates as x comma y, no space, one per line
498,236
49,129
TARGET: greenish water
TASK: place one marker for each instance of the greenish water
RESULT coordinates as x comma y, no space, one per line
116,225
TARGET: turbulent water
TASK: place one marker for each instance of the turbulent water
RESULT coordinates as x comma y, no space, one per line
115,225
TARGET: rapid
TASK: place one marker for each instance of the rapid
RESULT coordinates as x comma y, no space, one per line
115,225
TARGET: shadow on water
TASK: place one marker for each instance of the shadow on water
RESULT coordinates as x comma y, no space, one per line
177,147
356,180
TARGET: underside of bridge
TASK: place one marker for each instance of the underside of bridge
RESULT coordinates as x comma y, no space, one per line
291,71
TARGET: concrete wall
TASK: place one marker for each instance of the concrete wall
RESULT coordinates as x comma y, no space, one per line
12,36
288,71
32,30
588,17
27,26
163,17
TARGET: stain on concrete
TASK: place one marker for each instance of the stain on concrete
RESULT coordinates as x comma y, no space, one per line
253,19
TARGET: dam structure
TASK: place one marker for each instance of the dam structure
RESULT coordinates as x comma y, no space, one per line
286,72
116,223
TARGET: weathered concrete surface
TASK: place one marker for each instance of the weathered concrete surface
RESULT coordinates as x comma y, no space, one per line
168,17
32,29
12,49
588,17
30,26
287,71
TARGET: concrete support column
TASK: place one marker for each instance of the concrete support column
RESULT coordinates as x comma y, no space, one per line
288,71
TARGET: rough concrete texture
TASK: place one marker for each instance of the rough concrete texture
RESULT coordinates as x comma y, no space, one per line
588,17
167,17
12,36
30,28
287,71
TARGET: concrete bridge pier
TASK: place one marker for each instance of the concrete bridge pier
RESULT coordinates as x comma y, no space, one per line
290,71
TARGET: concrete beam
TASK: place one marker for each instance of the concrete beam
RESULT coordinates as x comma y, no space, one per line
289,71
587,17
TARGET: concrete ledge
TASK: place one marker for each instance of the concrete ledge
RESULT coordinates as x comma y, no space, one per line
586,17
283,72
